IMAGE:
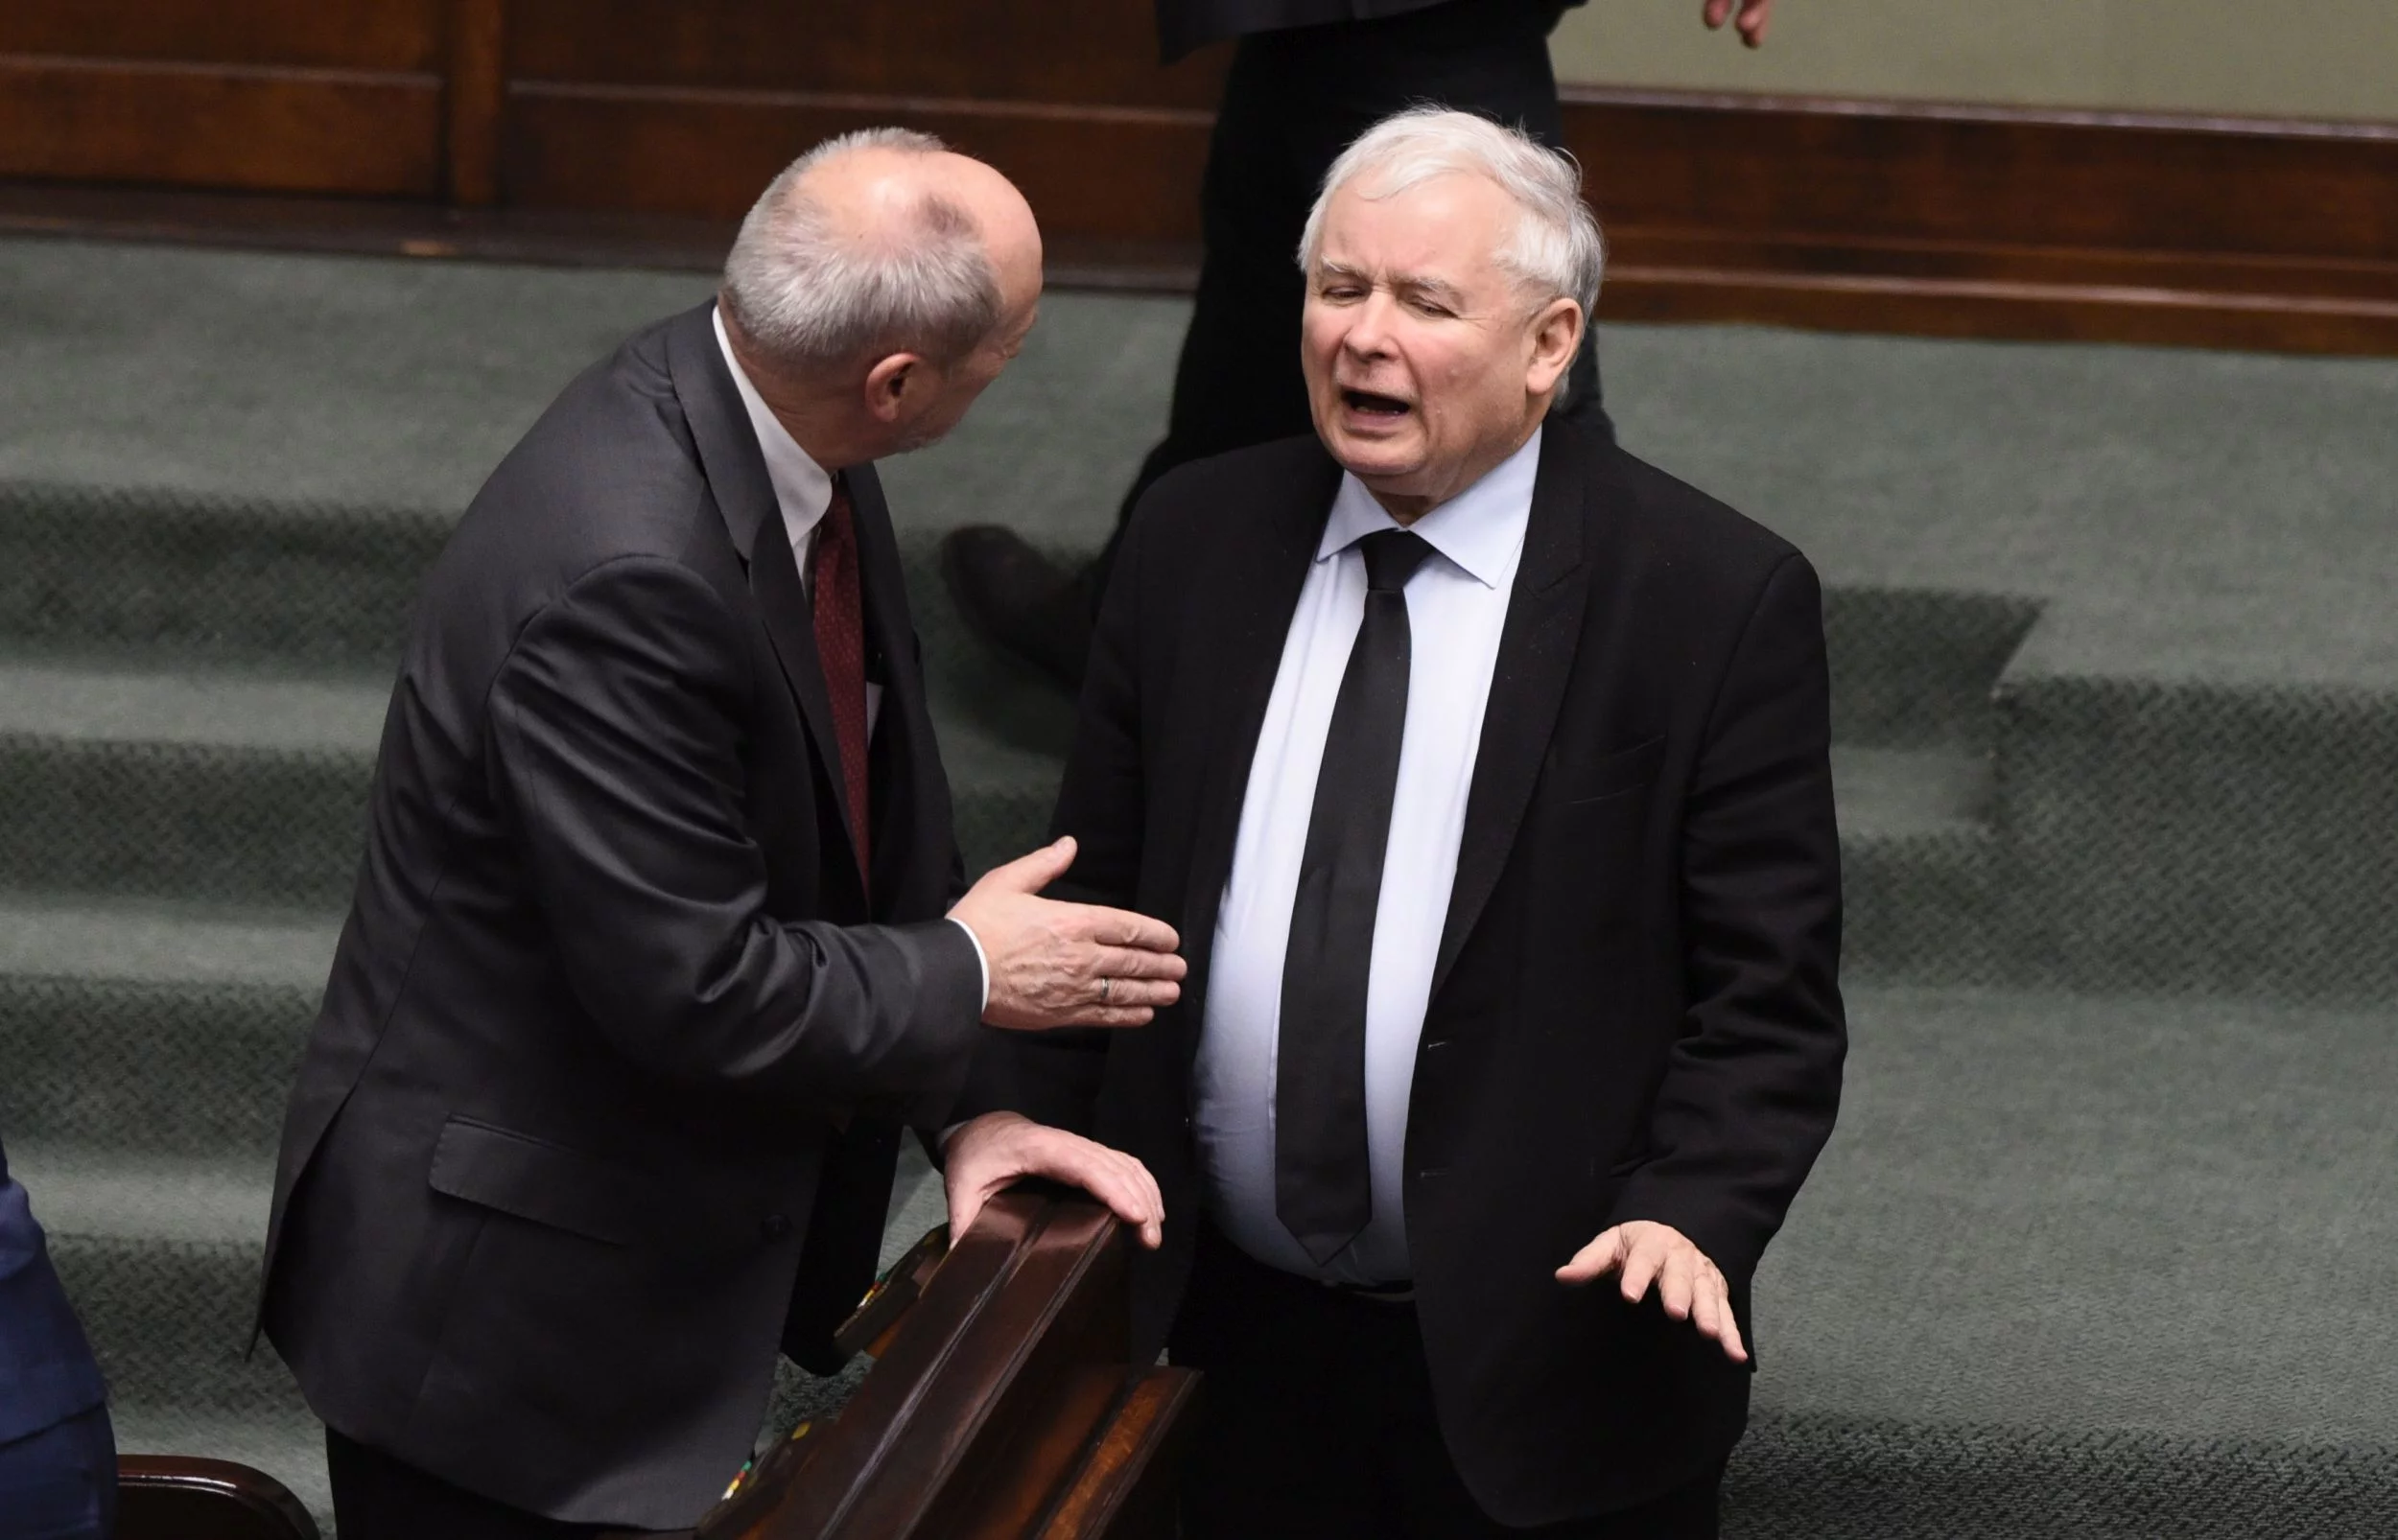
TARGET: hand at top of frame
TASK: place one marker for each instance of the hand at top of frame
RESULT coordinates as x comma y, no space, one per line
1747,16
1066,964
1688,1285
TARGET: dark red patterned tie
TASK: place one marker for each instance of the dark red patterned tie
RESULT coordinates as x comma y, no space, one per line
841,650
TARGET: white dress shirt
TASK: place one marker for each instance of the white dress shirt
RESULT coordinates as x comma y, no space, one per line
1456,606
803,490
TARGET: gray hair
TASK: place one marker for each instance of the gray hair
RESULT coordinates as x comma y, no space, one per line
811,295
1556,250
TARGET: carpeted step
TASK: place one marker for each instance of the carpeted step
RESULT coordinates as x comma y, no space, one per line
1919,865
2200,835
224,786
154,1027
160,1254
193,577
1828,1478
2078,1252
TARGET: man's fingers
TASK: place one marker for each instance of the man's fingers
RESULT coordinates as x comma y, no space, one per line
1596,1259
1118,993
966,1200
1641,1261
1716,11
1120,928
1754,17
1035,869
1121,963
1115,1179
1676,1282
1707,1305
1728,1333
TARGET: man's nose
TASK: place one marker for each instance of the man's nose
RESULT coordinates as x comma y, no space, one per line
1369,333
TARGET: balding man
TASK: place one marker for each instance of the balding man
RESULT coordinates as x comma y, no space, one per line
1486,771
648,960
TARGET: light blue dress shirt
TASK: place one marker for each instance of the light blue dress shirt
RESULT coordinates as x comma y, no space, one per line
1456,607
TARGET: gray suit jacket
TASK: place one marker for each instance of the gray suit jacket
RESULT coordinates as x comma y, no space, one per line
605,1096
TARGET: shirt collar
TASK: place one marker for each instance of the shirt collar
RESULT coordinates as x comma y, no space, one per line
802,488
1478,529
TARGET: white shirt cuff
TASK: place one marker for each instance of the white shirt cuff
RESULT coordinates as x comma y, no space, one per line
981,962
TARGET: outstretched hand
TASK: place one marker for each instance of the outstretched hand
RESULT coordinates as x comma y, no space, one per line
989,1154
1747,16
1066,964
1690,1286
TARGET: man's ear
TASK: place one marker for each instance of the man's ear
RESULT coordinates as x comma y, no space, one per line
1556,336
897,387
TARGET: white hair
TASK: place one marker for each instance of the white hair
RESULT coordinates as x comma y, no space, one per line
811,295
1556,251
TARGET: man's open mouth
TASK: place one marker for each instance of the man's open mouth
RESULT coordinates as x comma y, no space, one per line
1374,406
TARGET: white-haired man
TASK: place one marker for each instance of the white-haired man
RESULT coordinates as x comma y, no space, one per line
658,939
1486,770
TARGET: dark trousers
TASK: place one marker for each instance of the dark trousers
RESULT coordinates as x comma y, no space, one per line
378,1498
1293,101
60,1483
1316,1423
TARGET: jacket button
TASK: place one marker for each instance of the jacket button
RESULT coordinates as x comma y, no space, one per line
774,1226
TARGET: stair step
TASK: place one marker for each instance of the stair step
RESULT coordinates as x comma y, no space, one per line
2097,1214
154,1028
2199,836
202,577
160,1256
1869,1479
1919,865
219,785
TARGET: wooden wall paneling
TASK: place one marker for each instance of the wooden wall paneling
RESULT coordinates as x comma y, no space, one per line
1122,174
368,35
2001,310
1094,52
264,127
1998,176
476,93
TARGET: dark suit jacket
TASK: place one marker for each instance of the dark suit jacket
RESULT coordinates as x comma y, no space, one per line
563,1158
1634,1013
47,1373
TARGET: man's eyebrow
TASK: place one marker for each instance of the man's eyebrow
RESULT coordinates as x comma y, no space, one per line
1424,283
1440,287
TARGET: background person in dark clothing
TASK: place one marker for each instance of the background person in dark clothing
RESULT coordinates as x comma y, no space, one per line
57,1454
1308,76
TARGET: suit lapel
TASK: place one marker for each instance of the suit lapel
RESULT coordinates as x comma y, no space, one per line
744,497
1536,657
903,733
1260,594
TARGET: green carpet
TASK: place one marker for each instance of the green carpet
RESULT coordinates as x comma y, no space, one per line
2101,1247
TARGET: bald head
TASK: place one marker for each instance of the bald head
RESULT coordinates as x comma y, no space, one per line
878,242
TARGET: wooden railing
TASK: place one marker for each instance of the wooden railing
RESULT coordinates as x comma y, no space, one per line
999,1407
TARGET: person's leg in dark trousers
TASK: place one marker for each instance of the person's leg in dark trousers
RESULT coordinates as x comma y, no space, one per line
1293,101
1316,1421
1282,1450
60,1483
378,1498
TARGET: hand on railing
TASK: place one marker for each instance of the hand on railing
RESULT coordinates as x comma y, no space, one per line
989,1154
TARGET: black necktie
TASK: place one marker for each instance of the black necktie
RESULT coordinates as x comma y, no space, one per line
1322,1182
